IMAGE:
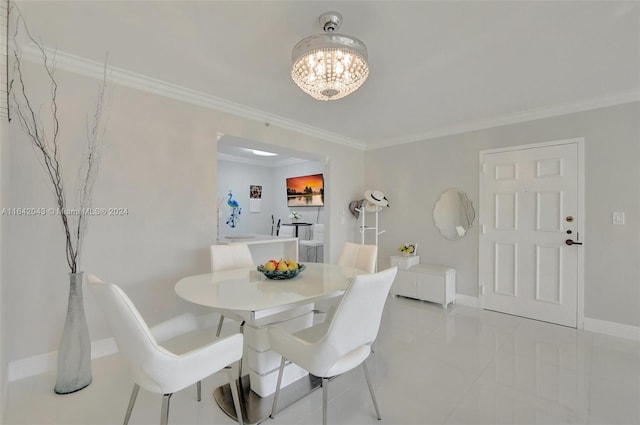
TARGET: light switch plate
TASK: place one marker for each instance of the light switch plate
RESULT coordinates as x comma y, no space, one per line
618,217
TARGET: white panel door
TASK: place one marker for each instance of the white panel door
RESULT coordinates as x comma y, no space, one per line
528,211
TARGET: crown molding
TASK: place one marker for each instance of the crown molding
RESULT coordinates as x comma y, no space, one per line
93,69
515,118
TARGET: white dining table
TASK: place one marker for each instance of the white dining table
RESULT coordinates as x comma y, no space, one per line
247,294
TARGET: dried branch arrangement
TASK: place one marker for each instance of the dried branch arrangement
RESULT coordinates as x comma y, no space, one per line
43,131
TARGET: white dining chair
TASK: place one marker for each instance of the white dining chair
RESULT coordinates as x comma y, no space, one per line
337,346
228,257
159,369
316,241
363,257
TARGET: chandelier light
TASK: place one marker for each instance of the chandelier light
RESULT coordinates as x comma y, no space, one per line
329,66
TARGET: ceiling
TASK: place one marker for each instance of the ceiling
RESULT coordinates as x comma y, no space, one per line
238,149
436,67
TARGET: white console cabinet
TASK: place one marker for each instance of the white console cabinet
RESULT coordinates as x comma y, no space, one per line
428,282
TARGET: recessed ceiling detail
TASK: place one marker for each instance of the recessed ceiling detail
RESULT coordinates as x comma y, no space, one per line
262,153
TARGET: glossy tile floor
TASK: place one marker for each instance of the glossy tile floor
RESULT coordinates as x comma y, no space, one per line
431,366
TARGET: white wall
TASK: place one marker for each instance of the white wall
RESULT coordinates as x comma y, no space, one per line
3,338
414,175
160,163
238,177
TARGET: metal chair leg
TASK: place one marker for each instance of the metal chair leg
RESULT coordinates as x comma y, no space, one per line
220,325
275,396
132,401
373,396
199,389
164,415
234,395
240,361
325,397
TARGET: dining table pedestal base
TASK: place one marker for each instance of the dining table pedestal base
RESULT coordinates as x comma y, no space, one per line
256,409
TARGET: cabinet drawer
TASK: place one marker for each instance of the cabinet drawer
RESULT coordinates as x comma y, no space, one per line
430,287
404,263
405,284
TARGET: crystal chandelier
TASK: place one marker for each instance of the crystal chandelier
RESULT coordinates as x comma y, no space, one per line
329,66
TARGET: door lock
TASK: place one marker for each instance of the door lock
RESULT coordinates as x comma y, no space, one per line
570,242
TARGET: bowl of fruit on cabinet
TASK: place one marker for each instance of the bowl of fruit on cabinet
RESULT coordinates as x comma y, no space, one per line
283,269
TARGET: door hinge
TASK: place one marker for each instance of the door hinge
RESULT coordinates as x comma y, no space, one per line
484,168
481,289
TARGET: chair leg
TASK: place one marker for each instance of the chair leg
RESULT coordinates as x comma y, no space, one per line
199,390
164,414
234,395
240,361
373,396
325,397
275,396
220,325
132,401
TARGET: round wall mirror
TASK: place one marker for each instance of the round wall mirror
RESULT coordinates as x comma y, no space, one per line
453,214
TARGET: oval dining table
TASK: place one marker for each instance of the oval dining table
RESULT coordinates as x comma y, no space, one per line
247,294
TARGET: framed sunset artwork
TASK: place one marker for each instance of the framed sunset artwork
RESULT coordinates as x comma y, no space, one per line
305,191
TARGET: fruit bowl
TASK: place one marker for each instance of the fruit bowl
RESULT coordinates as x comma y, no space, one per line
280,275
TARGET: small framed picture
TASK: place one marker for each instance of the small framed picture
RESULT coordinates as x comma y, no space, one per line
255,191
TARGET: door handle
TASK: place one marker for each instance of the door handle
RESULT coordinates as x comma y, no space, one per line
570,242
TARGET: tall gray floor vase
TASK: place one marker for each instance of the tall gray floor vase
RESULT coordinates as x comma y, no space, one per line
74,355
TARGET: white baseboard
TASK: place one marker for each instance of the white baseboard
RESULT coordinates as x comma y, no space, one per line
612,328
619,330
467,300
46,362
41,363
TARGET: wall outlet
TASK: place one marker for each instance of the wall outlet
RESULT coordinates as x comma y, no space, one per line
618,217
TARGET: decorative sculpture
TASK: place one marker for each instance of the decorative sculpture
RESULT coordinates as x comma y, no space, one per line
234,217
